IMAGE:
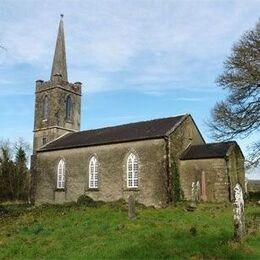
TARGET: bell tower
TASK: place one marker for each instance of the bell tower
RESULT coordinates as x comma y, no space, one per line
57,102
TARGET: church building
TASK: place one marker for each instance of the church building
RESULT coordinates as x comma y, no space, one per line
157,161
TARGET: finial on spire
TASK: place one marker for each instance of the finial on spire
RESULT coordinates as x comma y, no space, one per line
59,66
61,16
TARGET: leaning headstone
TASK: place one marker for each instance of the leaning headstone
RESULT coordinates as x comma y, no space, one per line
238,210
131,207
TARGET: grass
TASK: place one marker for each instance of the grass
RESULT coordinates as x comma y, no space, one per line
79,232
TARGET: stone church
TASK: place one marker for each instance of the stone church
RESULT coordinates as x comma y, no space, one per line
155,160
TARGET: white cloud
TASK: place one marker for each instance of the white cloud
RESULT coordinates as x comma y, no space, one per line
6,82
155,93
189,99
153,45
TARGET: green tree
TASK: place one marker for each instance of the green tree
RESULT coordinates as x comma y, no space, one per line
239,114
14,173
21,173
6,172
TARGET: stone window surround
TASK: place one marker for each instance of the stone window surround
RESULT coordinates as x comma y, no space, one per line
45,108
96,189
132,166
93,176
68,108
61,172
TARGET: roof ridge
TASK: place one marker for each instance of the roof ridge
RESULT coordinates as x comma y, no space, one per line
224,142
142,130
210,150
131,123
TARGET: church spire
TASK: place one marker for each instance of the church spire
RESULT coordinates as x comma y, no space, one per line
59,65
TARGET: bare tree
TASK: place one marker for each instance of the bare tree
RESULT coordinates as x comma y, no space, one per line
239,114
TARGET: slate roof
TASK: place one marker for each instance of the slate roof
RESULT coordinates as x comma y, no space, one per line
152,129
206,151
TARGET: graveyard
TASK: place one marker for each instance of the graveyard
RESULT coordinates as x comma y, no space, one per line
106,230
130,129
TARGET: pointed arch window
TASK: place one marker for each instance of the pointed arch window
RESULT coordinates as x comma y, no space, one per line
61,175
93,172
132,171
68,107
45,107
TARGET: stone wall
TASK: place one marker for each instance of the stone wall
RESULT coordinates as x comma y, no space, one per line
216,179
235,162
112,173
186,134
49,134
253,186
218,175
50,127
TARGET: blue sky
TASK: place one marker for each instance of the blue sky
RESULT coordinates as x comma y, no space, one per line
137,60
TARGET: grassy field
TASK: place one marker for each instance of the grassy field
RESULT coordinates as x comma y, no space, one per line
77,232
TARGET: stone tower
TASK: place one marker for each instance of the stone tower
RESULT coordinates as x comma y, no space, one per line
57,102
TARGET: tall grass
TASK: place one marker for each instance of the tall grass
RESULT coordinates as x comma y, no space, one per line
76,232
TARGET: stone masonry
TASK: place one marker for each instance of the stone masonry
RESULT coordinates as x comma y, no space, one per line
159,145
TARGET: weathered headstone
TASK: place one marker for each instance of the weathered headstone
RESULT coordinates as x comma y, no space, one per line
193,200
195,192
193,196
238,210
131,207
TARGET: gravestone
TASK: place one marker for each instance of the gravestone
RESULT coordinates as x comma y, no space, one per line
131,207
193,200
195,192
238,210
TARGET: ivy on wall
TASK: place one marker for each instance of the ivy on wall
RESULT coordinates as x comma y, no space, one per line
176,185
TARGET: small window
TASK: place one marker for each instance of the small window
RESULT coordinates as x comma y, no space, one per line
45,107
93,173
68,108
44,140
61,175
132,171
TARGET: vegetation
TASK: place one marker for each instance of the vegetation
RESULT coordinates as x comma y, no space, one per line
239,114
87,201
176,182
74,231
14,173
254,196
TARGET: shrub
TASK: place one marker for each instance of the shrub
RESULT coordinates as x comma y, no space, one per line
120,204
254,196
86,201
3,211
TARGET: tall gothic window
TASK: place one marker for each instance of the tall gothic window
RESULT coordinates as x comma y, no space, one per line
132,171
68,107
61,175
93,172
45,107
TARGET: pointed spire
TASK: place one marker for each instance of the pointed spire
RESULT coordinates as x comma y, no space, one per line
59,65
